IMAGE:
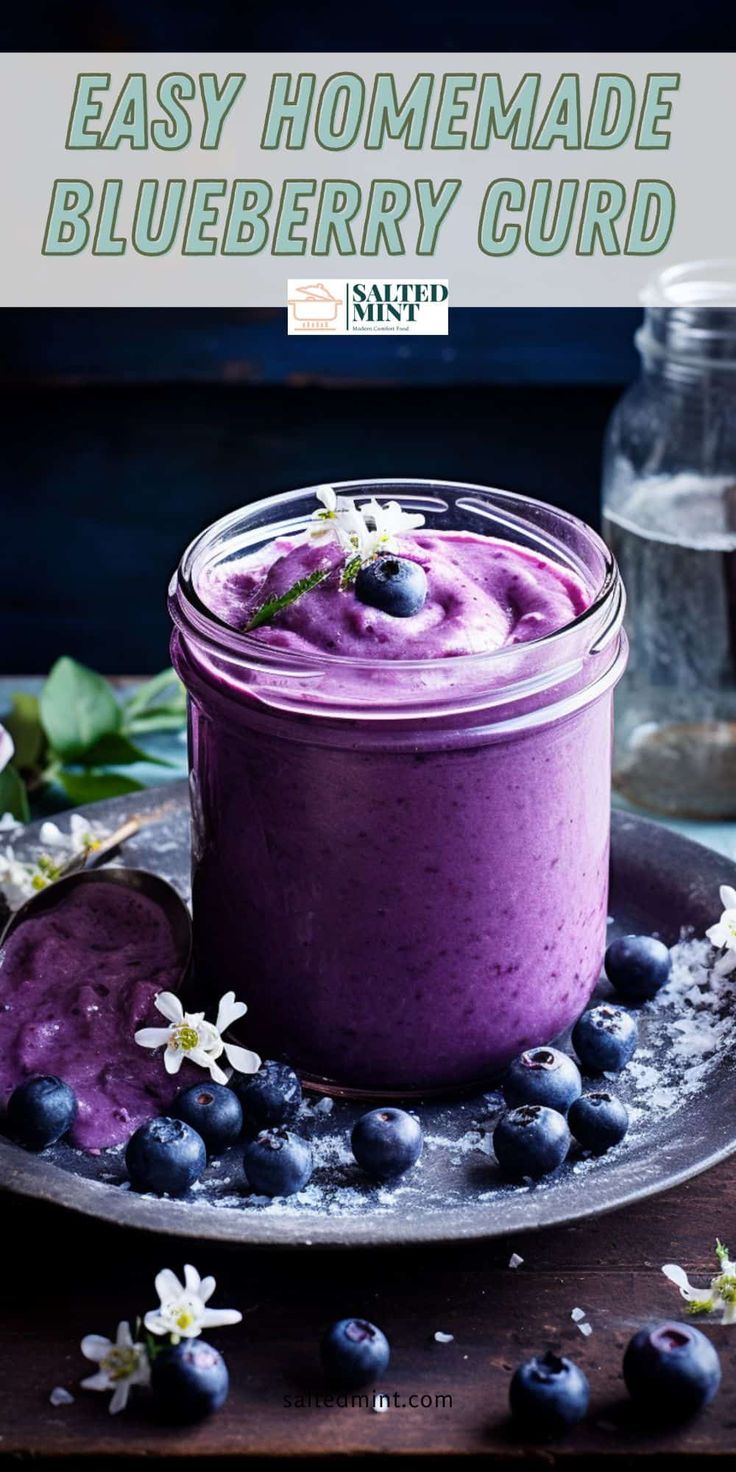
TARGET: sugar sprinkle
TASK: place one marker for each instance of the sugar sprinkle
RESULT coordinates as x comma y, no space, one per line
61,1397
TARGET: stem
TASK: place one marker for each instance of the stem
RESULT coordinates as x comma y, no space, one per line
273,606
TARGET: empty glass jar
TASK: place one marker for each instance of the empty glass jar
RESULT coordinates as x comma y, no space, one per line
669,515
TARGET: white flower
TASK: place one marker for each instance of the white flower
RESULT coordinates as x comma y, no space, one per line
360,531
339,521
182,1310
121,1365
189,1036
385,523
81,838
51,836
723,934
7,747
19,879
16,879
720,1294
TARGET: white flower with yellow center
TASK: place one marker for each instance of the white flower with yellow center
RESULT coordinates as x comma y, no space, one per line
122,1365
385,522
360,532
338,521
720,1294
182,1312
189,1036
723,934
20,879
81,838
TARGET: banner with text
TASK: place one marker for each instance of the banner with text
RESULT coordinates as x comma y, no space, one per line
410,182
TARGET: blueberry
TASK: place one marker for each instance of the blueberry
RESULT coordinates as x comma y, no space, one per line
387,1142
530,1141
598,1121
354,1353
604,1038
671,1371
165,1156
278,1163
41,1110
548,1395
638,966
213,1111
543,1076
189,1380
269,1097
393,584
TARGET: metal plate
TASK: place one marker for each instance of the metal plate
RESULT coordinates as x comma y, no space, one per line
681,1087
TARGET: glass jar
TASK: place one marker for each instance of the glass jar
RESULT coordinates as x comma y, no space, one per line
669,515
401,866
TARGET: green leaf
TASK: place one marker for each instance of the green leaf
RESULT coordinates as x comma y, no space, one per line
93,786
116,750
78,708
24,725
13,796
272,606
147,697
149,722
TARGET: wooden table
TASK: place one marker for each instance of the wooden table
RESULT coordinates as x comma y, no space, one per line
65,1276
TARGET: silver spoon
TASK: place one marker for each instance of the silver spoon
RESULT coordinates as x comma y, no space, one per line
81,870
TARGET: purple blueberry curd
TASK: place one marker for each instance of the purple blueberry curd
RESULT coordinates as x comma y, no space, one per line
482,596
400,825
75,983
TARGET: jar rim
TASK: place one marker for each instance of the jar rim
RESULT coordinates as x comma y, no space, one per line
192,615
690,318
693,285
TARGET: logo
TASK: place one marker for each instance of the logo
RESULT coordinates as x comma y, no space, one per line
368,308
312,307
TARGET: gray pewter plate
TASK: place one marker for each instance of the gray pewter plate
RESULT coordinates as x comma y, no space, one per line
680,1088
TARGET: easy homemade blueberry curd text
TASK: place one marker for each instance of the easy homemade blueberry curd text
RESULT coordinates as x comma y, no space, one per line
400,725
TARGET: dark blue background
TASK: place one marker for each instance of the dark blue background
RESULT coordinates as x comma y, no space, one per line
333,25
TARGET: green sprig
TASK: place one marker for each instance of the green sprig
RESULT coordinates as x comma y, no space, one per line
272,606
152,1346
350,571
